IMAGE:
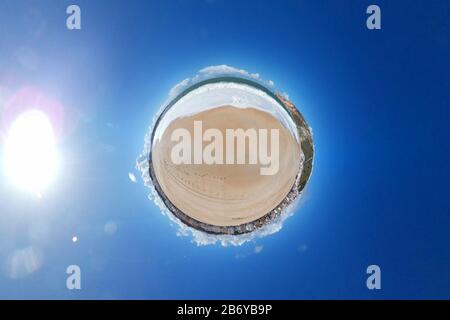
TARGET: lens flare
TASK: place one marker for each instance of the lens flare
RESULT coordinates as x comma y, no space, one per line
30,156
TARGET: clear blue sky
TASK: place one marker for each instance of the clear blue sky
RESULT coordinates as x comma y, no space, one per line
378,103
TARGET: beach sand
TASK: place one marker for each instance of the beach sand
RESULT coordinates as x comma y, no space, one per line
226,194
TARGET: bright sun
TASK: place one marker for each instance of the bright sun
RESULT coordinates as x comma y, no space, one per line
31,159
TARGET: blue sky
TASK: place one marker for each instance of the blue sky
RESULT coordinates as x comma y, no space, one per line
378,103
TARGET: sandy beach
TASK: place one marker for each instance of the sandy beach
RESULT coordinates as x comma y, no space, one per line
226,194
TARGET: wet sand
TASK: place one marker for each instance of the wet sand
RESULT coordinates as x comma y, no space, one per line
226,194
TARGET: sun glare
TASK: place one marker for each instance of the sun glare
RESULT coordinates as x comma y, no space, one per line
30,155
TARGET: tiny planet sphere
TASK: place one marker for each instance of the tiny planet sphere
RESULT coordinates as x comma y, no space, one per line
212,181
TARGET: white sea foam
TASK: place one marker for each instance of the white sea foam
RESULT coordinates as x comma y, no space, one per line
214,95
